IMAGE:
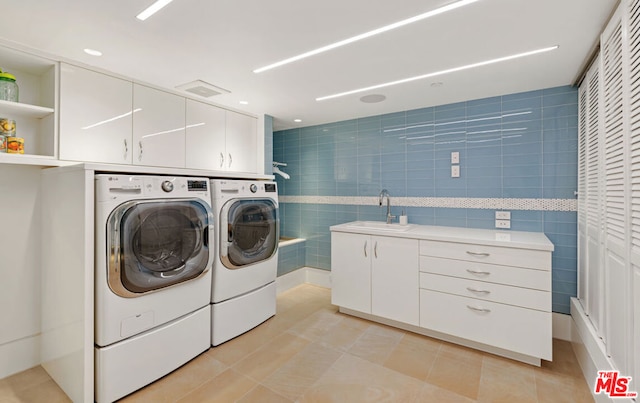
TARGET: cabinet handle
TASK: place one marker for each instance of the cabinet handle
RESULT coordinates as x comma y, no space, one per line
473,308
365,249
140,153
477,253
126,149
479,272
230,160
221,160
375,250
480,291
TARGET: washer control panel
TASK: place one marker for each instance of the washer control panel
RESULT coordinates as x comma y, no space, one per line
126,187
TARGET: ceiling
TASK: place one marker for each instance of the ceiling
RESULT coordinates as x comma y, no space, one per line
223,41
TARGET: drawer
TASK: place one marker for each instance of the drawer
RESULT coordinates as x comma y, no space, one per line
517,276
521,330
505,294
529,258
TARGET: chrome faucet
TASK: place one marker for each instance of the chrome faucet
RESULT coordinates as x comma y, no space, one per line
385,193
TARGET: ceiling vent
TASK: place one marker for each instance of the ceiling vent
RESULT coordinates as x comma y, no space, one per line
202,89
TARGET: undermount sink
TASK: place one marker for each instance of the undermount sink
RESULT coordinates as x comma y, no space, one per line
380,226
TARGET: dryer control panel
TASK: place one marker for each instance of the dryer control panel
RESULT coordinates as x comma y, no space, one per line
127,187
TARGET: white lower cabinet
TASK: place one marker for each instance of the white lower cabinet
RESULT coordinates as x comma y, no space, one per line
477,292
375,275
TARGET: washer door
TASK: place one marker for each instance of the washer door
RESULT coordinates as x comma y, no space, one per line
251,232
156,244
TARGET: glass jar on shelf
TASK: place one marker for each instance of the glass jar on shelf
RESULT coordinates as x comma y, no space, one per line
8,87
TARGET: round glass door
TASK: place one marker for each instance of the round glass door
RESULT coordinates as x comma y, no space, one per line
157,244
251,233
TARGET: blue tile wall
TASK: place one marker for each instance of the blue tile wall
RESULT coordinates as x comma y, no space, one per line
291,257
514,146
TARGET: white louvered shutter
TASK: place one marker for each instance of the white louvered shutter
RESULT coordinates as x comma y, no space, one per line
615,173
583,260
634,167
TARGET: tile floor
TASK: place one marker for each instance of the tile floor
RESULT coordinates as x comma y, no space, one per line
309,352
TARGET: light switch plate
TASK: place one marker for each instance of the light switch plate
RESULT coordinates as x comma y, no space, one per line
503,215
455,157
455,171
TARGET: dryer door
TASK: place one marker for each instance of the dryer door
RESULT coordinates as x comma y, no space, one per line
157,244
250,233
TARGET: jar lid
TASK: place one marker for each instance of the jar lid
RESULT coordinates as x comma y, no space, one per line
7,76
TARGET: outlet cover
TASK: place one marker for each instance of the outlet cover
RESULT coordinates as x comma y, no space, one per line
503,215
503,224
455,171
455,157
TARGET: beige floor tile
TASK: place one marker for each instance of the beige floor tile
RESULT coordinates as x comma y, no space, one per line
505,381
268,358
560,388
376,343
454,371
238,348
462,353
229,386
564,360
317,325
299,373
432,393
27,379
344,334
352,379
179,382
414,356
262,394
47,391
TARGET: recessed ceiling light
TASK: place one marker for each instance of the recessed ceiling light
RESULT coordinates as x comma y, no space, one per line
92,52
438,73
297,120
373,98
152,9
244,103
368,34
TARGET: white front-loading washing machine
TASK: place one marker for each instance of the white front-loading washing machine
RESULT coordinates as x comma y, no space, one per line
152,278
245,268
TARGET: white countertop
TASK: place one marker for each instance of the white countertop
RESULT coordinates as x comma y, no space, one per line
512,239
149,170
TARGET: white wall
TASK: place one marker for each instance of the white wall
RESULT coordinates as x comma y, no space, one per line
20,223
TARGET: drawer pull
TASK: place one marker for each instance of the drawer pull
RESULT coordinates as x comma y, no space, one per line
473,308
479,291
479,272
478,253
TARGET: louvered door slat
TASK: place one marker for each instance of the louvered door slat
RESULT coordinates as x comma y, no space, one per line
634,125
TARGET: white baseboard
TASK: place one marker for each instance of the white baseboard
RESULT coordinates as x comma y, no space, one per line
561,325
303,275
19,355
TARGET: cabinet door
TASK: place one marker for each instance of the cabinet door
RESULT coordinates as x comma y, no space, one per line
205,143
394,279
241,142
158,128
351,271
95,116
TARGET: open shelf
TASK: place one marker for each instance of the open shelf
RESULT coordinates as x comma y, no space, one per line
9,109
30,159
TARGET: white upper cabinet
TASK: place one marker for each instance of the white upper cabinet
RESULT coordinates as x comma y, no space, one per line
95,116
205,136
242,142
220,139
158,128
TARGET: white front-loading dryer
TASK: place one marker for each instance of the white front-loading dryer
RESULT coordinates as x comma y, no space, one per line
152,278
245,268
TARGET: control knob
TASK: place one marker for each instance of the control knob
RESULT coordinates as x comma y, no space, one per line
253,188
167,186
